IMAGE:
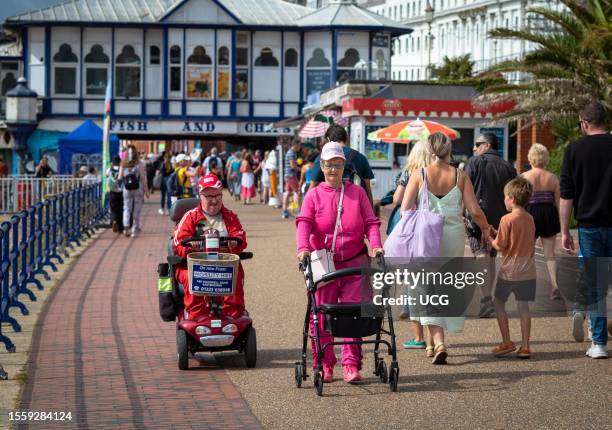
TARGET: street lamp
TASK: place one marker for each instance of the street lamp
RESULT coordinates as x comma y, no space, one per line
429,16
21,110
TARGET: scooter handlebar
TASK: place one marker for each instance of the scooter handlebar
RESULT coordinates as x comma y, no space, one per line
222,240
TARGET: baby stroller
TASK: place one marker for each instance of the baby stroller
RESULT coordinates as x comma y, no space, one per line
346,321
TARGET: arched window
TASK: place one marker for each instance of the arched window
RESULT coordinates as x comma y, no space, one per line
223,73
127,73
351,57
65,63
199,74
223,56
318,59
266,58
291,58
175,71
199,56
154,55
96,71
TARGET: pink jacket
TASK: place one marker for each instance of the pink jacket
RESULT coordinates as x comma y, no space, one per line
315,224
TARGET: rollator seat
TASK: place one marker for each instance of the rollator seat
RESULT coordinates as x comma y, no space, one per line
346,320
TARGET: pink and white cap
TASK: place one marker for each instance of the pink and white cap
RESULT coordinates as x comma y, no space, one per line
332,150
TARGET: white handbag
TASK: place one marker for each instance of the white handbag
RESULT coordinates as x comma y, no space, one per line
322,260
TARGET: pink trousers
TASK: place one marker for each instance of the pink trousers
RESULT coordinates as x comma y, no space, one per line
343,290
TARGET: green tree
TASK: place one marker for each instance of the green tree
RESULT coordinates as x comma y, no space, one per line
570,65
455,68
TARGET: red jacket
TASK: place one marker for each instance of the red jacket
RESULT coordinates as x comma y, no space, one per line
187,228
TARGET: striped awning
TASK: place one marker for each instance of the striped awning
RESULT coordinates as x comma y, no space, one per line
410,108
317,126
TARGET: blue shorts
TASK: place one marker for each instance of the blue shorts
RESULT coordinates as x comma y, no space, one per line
523,290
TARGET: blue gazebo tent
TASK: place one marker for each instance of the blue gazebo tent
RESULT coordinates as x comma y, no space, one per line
85,139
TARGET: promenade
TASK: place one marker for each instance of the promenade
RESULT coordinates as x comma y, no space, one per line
101,352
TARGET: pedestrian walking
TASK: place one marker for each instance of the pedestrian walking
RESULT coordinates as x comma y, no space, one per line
234,176
586,188
357,169
306,172
489,173
132,174
115,195
544,208
517,275
213,164
265,178
43,170
291,171
448,191
316,225
247,181
164,170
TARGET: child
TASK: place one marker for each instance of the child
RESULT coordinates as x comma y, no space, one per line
516,242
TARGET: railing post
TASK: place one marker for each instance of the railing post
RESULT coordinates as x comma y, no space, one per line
4,285
47,252
15,259
39,257
55,225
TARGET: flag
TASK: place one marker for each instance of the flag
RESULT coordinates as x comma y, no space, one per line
106,139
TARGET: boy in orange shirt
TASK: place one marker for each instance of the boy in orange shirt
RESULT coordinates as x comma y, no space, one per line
515,240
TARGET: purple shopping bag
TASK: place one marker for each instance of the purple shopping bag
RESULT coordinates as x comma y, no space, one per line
419,232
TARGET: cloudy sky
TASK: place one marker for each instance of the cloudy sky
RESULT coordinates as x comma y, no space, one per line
15,7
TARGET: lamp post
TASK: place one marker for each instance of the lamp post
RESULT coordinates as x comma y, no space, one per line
20,121
429,16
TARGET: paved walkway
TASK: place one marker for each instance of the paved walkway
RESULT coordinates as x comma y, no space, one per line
103,354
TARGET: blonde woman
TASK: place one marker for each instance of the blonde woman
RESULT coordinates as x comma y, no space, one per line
449,190
544,208
418,158
132,175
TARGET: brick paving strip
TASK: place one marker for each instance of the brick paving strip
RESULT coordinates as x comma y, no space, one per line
101,351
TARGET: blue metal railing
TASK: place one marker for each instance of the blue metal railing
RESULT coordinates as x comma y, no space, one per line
35,239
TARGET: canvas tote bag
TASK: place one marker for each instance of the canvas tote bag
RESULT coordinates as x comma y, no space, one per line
322,260
418,234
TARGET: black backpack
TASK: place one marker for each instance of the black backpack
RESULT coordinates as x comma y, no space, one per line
131,181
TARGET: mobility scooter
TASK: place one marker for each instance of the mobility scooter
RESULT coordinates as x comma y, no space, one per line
214,332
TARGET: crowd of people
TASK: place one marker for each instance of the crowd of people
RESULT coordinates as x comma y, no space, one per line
486,205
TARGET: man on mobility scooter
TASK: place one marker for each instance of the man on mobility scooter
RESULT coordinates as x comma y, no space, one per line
211,323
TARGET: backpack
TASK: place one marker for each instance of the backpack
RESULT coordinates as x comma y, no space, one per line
173,186
131,181
213,164
354,176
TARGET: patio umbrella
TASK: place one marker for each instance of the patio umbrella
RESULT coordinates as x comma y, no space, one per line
318,125
408,131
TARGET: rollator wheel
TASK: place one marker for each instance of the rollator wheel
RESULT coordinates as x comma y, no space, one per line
250,351
181,350
382,371
318,382
298,374
393,377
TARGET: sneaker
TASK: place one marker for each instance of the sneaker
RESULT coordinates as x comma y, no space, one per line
414,344
160,211
115,226
133,233
523,352
610,327
328,374
285,214
503,349
3,375
597,351
126,232
578,326
487,310
351,374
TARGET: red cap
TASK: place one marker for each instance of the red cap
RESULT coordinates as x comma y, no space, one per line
209,181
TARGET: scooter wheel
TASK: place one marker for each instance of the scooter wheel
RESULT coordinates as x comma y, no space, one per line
382,371
250,350
393,377
318,383
181,350
298,375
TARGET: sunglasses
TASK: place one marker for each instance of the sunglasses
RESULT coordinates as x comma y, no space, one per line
478,143
212,196
333,166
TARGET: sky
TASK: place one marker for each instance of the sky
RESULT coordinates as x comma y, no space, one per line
15,7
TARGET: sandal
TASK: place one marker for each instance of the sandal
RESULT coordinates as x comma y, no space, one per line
429,351
440,354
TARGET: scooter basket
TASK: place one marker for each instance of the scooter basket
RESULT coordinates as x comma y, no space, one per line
346,320
167,305
212,277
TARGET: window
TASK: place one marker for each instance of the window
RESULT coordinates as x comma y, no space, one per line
266,58
127,73
199,74
223,73
318,59
291,58
154,55
346,65
65,64
401,12
241,81
96,71
175,69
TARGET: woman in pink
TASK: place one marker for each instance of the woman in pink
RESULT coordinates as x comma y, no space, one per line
248,179
315,230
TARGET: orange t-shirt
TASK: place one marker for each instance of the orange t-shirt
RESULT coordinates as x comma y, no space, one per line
516,240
